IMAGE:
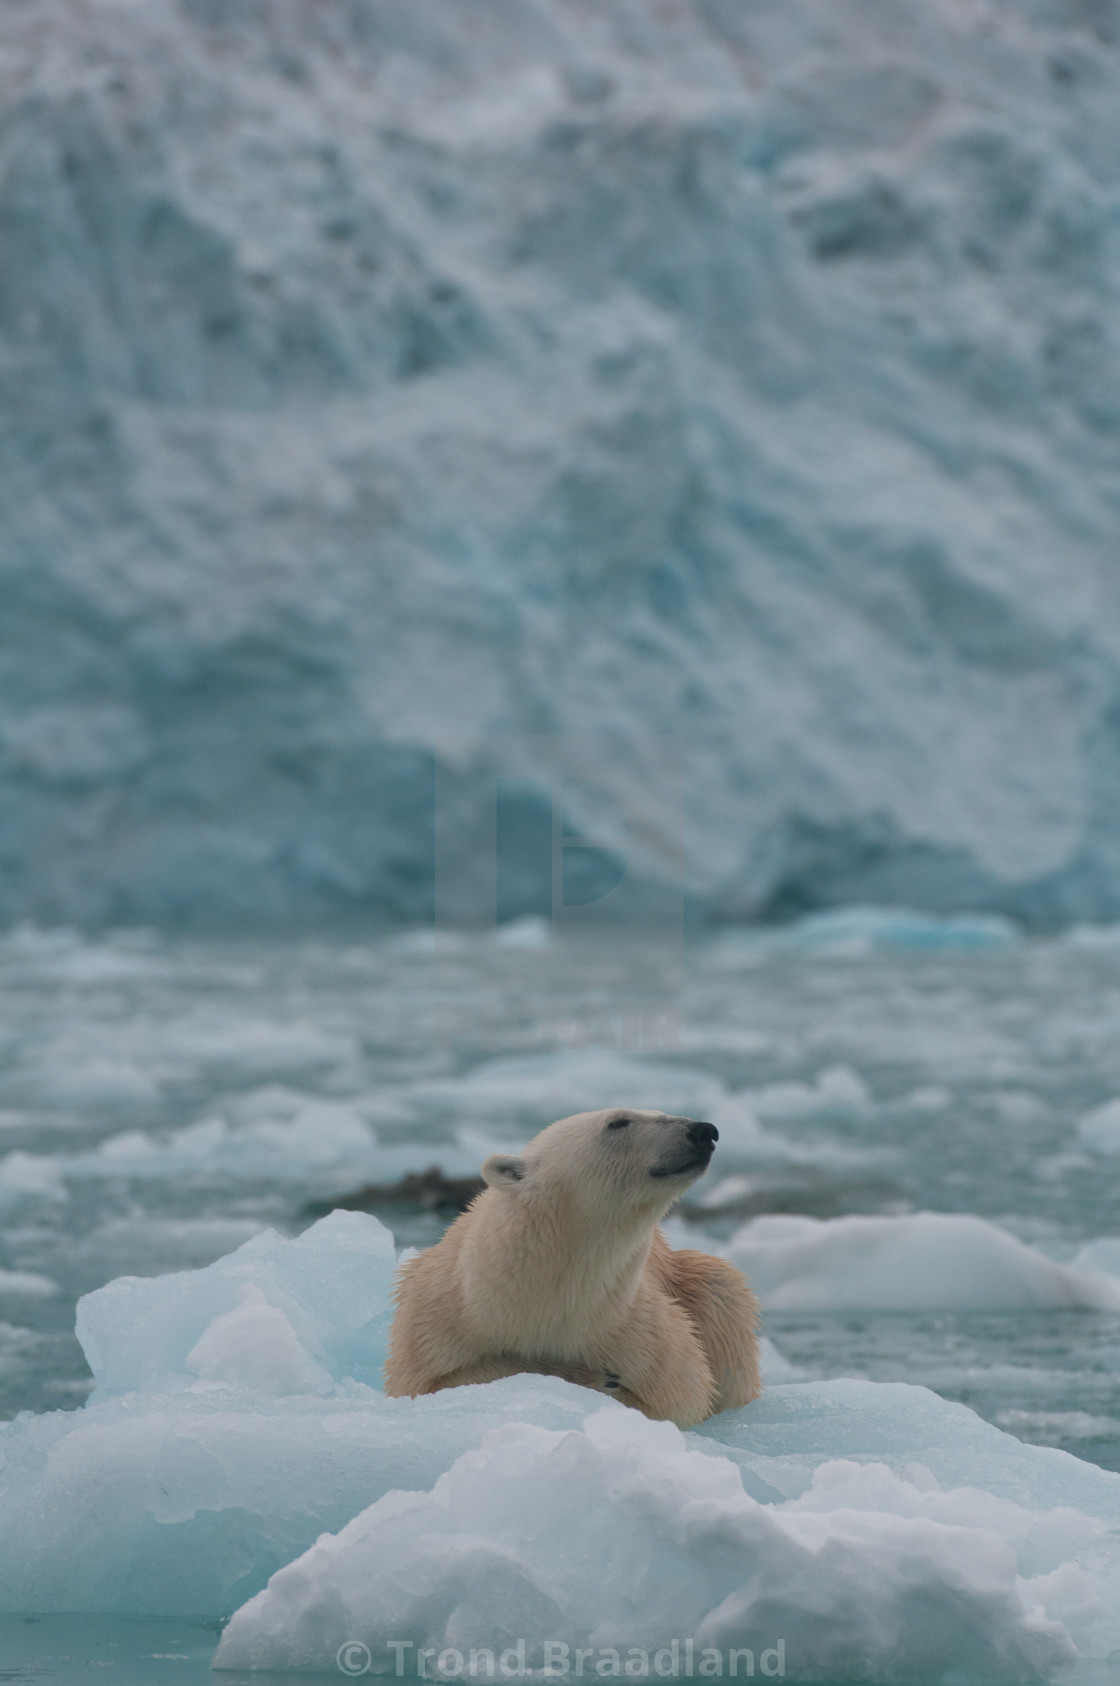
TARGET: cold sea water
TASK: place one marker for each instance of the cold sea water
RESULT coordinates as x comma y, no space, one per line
164,1099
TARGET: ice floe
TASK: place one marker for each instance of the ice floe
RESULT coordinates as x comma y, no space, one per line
667,1543
237,1433
920,1261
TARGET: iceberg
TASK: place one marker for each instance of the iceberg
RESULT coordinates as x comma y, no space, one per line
384,381
237,1458
919,1261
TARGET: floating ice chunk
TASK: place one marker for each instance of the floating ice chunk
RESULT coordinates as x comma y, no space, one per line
873,928
1099,1130
256,1046
188,1501
328,1143
728,1191
322,1132
740,1133
328,1290
303,1138
424,942
1102,1254
929,1098
556,1084
530,931
124,955
1045,1425
249,1433
837,1090
1093,936
126,1144
30,1176
536,1088
855,931
924,1261
670,1545
27,1282
98,1080
786,1434
145,1246
39,943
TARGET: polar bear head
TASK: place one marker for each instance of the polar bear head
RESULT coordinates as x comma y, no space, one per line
624,1156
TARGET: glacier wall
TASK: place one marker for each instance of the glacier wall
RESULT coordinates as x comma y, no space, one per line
374,370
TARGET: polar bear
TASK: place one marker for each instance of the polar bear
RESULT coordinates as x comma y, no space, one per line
558,1268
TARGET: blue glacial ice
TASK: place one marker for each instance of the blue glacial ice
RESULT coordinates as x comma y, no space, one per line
855,931
237,1434
379,371
276,1316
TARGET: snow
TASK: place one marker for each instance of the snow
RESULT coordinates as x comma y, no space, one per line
386,382
922,1261
237,1456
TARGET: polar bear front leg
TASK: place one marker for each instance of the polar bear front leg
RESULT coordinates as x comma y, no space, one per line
661,1366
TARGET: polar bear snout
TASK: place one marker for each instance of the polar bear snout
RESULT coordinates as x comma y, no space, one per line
693,1155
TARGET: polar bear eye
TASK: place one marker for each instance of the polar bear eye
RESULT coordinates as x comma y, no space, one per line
618,1123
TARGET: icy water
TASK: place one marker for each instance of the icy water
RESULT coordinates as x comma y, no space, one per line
161,1100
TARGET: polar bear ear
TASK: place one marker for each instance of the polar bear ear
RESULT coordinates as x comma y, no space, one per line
503,1170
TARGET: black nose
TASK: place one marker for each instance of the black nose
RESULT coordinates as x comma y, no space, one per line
703,1135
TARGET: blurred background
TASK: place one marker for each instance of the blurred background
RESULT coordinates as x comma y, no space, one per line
556,554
